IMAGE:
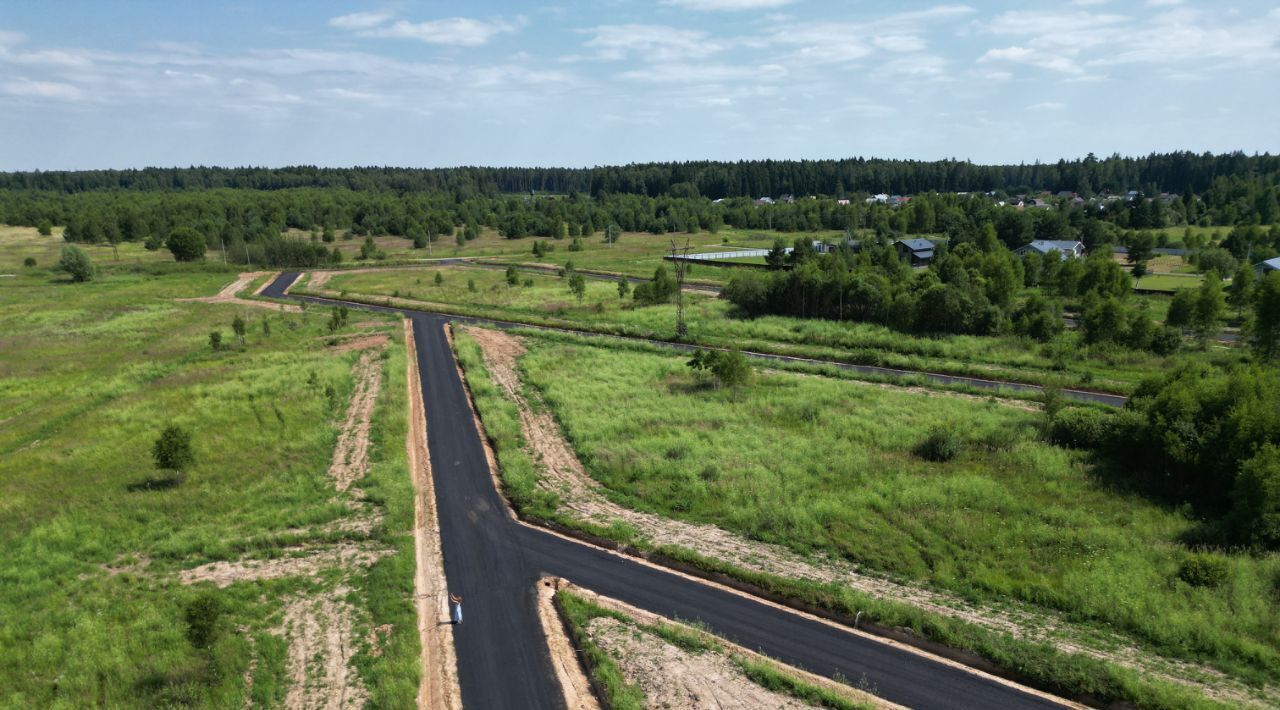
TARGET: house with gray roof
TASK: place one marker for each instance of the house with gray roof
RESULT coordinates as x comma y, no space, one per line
1263,268
1066,249
919,252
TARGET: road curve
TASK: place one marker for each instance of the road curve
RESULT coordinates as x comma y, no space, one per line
494,562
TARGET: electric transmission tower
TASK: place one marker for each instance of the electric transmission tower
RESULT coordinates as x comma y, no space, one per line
678,255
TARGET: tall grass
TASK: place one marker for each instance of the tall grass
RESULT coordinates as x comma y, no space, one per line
90,611
827,466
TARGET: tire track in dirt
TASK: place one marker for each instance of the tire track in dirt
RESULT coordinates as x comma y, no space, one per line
580,495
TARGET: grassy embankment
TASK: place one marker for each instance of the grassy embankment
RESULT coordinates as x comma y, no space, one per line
547,301
1009,518
91,612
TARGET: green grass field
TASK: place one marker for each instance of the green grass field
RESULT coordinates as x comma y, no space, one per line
712,321
1010,517
91,612
20,243
1169,282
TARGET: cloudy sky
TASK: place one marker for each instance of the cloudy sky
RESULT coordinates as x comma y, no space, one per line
97,84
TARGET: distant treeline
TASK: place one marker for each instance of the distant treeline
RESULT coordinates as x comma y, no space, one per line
1159,172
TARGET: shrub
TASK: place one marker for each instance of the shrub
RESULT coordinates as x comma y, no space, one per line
1166,341
29,262
1080,428
1203,569
45,228
153,243
201,615
77,263
942,444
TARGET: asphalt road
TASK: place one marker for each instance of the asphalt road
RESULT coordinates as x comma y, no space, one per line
494,563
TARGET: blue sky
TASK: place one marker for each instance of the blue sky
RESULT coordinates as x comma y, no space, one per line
127,84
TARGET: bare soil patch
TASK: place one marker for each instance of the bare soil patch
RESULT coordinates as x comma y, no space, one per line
582,497
307,563
674,678
361,342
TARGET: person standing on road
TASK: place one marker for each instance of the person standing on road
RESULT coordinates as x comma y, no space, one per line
455,608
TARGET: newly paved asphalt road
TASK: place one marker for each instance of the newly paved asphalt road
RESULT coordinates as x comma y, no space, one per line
494,563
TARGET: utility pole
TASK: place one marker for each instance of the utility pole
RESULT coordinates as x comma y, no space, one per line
678,255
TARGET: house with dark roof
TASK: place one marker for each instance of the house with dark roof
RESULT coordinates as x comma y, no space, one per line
918,252
1066,249
1263,268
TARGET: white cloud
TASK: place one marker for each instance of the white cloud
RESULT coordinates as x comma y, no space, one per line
9,38
1047,106
1163,3
360,20
704,73
458,31
1072,41
832,42
43,89
916,66
715,5
349,95
656,42
899,43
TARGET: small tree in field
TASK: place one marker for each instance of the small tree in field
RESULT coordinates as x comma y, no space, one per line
578,286
215,340
186,244
624,287
77,263
173,452
729,368
439,279
45,228
512,277
237,327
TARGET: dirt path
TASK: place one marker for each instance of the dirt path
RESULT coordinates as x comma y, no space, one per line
564,659
231,294
351,454
318,661
439,687
562,473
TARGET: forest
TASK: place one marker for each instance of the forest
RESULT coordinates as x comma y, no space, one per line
1169,172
